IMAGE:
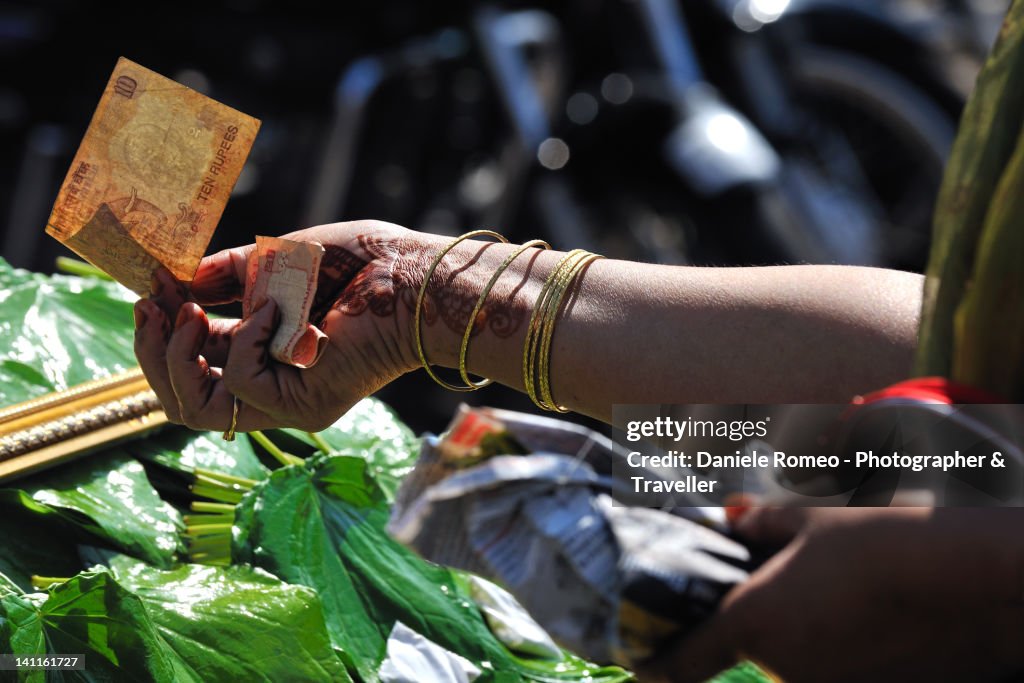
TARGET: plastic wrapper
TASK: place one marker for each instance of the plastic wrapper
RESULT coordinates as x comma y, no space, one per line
609,580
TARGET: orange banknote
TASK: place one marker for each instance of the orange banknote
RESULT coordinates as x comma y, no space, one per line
286,271
151,177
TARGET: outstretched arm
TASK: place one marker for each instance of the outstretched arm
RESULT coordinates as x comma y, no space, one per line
629,332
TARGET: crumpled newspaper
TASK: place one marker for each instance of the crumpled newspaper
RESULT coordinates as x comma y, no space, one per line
610,581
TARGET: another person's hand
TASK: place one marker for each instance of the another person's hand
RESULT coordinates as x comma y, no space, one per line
366,292
870,594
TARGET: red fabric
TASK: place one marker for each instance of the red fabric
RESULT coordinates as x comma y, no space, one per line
933,389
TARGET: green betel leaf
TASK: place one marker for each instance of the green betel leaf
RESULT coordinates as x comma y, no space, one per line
7,585
91,615
184,450
21,629
109,496
33,543
322,526
369,430
48,332
235,623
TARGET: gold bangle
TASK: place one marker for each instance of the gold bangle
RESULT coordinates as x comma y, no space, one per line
530,344
546,329
554,307
464,348
417,332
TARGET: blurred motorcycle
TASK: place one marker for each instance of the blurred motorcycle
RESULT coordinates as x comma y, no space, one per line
725,132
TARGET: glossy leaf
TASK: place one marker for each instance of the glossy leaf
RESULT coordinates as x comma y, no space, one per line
183,450
91,614
34,543
48,332
235,623
107,495
370,430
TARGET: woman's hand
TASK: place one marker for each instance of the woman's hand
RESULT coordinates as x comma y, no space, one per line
870,594
368,282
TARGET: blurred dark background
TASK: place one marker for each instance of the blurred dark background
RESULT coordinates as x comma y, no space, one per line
709,132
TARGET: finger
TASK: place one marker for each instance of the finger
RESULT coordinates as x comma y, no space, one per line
249,372
203,399
218,343
151,330
167,292
772,525
215,413
189,372
220,278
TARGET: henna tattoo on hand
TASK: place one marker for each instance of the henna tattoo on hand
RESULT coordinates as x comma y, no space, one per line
386,274
338,270
393,277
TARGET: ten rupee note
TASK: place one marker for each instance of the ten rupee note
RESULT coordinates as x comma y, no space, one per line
151,177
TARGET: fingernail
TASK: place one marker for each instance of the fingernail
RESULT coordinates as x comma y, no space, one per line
154,285
260,304
140,315
184,315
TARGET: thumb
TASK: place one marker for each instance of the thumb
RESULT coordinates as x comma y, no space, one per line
220,278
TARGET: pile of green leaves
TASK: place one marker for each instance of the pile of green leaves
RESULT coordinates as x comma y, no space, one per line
308,585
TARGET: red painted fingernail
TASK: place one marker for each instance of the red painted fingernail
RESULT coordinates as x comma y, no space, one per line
735,513
140,316
737,505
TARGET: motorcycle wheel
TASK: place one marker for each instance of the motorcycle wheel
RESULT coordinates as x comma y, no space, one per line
860,183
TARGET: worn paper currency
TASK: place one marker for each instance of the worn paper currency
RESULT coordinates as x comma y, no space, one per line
286,271
151,177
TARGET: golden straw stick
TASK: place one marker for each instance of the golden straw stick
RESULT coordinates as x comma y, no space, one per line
70,400
51,429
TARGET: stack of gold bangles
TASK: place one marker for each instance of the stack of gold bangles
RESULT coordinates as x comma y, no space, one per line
537,348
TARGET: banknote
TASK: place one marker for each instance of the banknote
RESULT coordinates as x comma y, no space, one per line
151,177
286,271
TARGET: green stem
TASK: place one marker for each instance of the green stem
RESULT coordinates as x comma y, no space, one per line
229,479
80,268
194,520
44,582
272,448
207,529
213,508
324,447
227,486
212,559
214,544
218,493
